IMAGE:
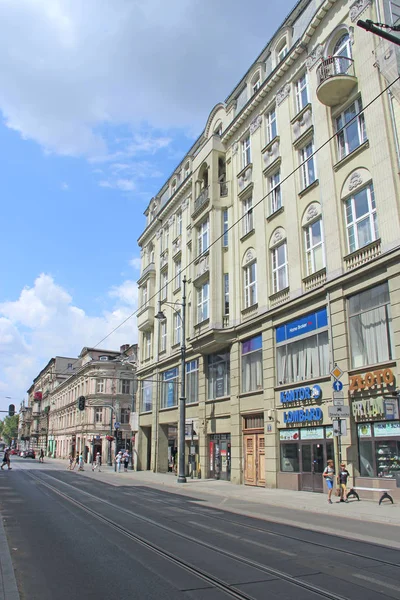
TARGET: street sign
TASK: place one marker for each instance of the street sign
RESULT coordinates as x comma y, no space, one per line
338,402
337,385
336,372
338,412
117,425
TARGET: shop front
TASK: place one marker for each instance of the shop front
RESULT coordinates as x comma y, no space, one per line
219,448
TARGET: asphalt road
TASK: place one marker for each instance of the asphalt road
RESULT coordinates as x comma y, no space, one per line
74,537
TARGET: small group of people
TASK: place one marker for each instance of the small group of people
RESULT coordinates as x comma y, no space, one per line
78,462
6,459
122,457
329,476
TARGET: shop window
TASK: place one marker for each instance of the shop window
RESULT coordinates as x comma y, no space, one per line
379,449
218,375
351,129
147,396
252,364
290,452
361,219
169,388
302,351
192,382
370,327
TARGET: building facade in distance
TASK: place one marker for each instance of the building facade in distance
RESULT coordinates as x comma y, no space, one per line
284,218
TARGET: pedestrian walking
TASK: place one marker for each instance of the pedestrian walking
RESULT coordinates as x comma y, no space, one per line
76,461
41,455
71,464
126,457
118,460
329,475
342,481
6,459
97,463
80,462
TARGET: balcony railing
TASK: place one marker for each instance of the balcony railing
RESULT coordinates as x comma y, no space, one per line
363,255
201,199
334,66
223,189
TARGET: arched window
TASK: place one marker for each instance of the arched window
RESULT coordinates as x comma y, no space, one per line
255,82
342,53
279,260
281,50
360,213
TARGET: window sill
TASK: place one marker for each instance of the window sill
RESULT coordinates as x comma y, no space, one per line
388,364
353,254
299,115
352,154
201,323
169,408
247,235
283,291
176,290
162,352
221,399
243,171
310,187
268,146
252,393
250,309
275,214
145,412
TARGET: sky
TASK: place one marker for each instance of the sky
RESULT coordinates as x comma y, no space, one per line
99,101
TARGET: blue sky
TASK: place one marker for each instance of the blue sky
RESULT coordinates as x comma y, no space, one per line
99,101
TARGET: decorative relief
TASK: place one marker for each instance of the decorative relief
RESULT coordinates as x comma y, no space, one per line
301,125
314,57
202,266
278,236
159,233
185,203
272,154
245,178
282,94
171,221
255,124
176,246
357,8
312,212
249,256
235,148
355,180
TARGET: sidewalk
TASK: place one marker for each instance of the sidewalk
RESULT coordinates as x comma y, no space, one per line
358,520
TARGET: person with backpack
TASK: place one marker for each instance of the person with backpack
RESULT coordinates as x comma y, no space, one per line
329,475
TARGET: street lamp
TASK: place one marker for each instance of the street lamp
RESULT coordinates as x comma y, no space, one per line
182,400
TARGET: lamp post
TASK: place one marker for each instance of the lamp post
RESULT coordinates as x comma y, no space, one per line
182,399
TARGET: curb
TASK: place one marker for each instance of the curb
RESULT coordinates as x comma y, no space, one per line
8,584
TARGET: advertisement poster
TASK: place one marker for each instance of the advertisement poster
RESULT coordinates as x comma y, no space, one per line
312,433
288,434
386,429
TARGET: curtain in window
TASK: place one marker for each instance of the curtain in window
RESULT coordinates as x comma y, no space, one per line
305,359
252,372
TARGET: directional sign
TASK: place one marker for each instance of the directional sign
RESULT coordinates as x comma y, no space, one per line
337,385
117,425
338,412
336,372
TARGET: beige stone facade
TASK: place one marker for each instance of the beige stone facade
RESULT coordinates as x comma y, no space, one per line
284,218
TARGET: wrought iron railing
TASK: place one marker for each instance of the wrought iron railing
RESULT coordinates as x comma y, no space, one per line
333,66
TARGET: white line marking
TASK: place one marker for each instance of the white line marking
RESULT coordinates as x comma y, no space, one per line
377,581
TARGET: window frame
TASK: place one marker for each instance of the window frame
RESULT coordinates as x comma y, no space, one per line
178,226
100,385
275,192
354,224
307,157
250,284
214,374
310,247
125,415
248,217
226,294
203,237
98,415
163,335
225,228
169,383
276,268
342,147
203,299
253,386
178,273
246,151
300,87
271,125
125,384
164,284
192,373
177,327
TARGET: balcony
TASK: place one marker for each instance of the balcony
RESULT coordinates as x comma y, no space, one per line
202,200
223,189
145,317
336,79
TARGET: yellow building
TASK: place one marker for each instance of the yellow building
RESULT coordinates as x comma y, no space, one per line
284,218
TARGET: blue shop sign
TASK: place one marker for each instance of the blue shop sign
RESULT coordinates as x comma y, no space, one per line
311,322
301,415
303,393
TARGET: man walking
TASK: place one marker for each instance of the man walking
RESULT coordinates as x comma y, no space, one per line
342,481
97,463
41,455
6,459
126,460
329,475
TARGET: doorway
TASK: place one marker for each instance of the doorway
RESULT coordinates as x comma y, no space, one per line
314,456
254,459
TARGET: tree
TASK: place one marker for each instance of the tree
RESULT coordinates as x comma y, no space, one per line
9,427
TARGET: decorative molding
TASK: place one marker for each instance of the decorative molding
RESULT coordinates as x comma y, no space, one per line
249,256
351,35
171,220
159,233
235,148
282,94
314,56
302,124
245,178
357,8
272,154
312,212
185,204
355,181
278,235
255,124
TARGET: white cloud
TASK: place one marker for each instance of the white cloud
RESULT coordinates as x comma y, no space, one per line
124,185
43,322
136,263
73,70
64,186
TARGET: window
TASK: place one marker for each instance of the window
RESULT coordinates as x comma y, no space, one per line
256,84
145,295
187,170
271,125
163,335
351,129
192,382
100,387
379,449
178,223
202,302
125,413
166,244
282,51
164,284
125,386
225,227
178,269
370,325
162,243
275,193
246,152
98,415
252,364
226,293
203,240
307,168
69,367
302,350
250,285
177,327
169,392
146,345
361,220
315,254
342,53
279,268
147,396
247,208
218,375
301,92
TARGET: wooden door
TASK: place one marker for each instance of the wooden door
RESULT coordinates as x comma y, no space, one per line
250,460
260,460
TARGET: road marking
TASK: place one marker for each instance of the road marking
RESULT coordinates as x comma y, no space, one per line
238,537
377,581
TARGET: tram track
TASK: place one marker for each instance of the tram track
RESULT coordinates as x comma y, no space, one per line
228,589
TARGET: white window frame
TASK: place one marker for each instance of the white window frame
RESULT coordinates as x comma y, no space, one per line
275,191
284,50
250,284
248,219
342,138
203,299
192,381
146,345
178,223
203,237
225,228
301,86
178,274
100,386
271,125
307,160
145,295
352,227
256,84
251,368
164,284
246,151
98,415
163,335
125,385
277,268
177,327
311,247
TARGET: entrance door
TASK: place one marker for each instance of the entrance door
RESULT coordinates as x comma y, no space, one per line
254,459
312,466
